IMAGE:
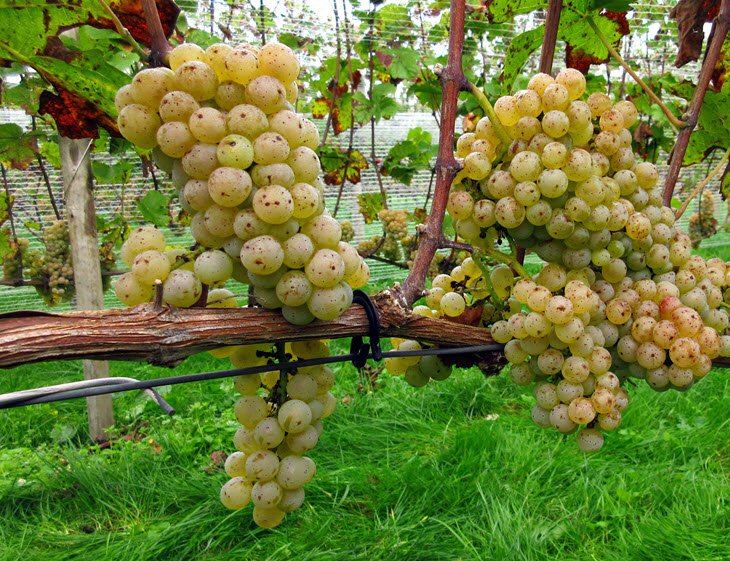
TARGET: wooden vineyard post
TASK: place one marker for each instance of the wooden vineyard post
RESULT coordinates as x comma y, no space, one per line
81,218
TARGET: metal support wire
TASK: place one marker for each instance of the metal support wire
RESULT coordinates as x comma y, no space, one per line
62,391
42,395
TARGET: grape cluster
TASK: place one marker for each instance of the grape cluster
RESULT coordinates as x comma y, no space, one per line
703,224
220,121
52,269
270,467
13,261
620,294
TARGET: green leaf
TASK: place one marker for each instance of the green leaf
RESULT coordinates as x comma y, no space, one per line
612,5
118,172
519,50
202,38
382,105
154,207
370,205
17,148
582,43
502,11
406,158
406,63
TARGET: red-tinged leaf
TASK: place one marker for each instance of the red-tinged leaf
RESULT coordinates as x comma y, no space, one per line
691,16
338,163
56,49
75,117
320,108
578,59
385,59
620,19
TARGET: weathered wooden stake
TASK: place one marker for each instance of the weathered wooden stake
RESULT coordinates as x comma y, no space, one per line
81,217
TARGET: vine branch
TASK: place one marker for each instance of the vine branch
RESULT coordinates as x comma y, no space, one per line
453,81
719,31
552,22
644,86
159,47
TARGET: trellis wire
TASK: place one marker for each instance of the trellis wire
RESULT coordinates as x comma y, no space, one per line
6,403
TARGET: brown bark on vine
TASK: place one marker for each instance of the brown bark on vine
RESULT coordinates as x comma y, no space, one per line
452,81
714,47
166,336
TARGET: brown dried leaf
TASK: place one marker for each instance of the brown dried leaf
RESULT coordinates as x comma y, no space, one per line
691,16
75,117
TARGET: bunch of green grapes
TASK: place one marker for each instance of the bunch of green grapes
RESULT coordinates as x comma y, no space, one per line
348,231
620,295
395,222
221,121
703,224
52,269
13,261
281,416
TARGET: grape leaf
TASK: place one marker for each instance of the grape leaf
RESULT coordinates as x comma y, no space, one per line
405,63
501,11
408,157
713,132
338,165
370,205
582,46
612,5
17,148
691,16
25,26
519,50
381,105
154,207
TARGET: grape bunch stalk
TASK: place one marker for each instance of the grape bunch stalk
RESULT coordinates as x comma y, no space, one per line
221,122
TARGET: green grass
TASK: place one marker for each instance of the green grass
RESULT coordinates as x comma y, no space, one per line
453,471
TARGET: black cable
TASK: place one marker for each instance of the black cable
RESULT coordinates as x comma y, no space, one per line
204,376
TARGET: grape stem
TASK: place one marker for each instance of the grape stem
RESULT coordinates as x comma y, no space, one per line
702,184
678,123
123,31
278,393
552,22
508,260
718,33
483,102
496,300
453,81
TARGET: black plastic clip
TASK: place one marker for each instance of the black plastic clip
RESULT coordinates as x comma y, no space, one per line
359,349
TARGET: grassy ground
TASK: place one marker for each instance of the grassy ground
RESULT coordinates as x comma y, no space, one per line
453,471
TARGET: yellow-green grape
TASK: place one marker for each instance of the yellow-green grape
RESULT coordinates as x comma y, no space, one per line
131,292
196,78
183,53
236,493
452,304
150,266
